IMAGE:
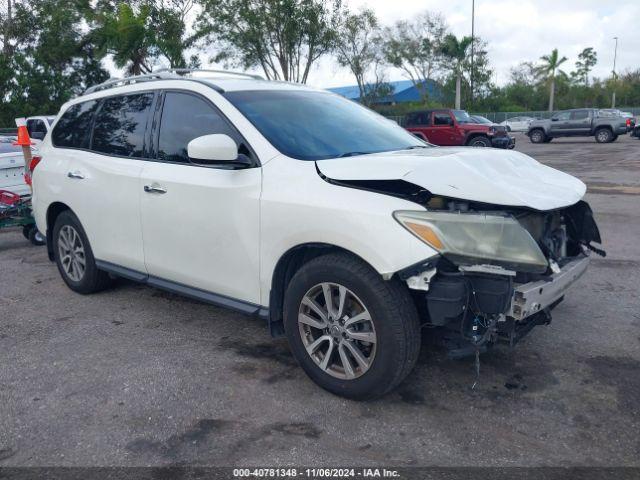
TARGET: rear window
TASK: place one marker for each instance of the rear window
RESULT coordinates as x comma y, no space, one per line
7,147
120,125
72,130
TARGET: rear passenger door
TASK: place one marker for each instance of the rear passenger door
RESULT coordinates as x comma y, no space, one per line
102,182
200,223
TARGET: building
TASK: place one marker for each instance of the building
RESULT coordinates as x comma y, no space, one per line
402,91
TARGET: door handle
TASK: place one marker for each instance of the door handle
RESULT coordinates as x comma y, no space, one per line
154,189
75,174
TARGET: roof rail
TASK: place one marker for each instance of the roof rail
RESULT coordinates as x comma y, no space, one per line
118,82
182,71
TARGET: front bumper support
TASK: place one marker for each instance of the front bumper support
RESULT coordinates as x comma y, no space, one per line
531,298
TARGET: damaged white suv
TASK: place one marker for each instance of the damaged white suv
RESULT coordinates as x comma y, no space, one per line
341,229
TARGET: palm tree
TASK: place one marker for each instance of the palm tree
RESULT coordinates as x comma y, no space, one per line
455,51
549,69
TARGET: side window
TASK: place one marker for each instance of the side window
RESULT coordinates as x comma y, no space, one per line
73,128
120,125
185,117
419,119
562,116
442,119
580,115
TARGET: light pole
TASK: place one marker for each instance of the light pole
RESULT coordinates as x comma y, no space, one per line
473,21
615,57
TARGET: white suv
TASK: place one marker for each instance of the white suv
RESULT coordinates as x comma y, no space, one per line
342,230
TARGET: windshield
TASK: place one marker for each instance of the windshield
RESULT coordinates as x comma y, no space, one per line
479,119
316,125
462,116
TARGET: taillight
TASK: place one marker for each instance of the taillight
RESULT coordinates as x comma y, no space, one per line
35,160
628,122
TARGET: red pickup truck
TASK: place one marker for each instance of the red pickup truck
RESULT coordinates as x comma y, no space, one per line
455,127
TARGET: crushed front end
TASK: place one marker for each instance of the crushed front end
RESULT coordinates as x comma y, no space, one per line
500,272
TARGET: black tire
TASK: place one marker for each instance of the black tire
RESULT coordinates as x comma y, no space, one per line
26,230
393,314
615,137
548,139
480,141
604,135
36,238
537,136
92,280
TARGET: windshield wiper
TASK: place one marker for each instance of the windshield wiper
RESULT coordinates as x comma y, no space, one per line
353,154
413,147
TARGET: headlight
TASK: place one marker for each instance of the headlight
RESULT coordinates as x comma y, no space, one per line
473,238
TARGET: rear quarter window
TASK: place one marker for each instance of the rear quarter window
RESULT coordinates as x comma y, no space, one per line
73,128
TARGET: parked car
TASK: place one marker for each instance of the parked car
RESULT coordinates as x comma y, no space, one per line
12,167
517,124
342,230
456,128
636,131
581,122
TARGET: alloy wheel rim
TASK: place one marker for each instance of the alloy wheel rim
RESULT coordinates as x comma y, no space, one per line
337,331
72,254
478,143
603,136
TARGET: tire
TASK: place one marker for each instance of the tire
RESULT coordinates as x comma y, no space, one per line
604,135
393,325
537,136
548,139
482,142
36,238
615,137
88,280
26,230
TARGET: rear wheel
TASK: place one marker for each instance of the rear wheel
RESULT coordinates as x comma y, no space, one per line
74,257
353,333
604,135
537,136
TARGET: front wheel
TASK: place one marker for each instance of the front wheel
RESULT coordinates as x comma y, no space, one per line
537,136
353,333
482,142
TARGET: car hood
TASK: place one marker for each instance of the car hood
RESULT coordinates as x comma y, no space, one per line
488,175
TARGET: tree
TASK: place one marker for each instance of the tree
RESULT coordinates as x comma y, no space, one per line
358,48
549,69
414,47
587,59
52,57
455,52
283,37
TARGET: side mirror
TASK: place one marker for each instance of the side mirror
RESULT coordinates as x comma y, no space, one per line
216,149
554,119
38,135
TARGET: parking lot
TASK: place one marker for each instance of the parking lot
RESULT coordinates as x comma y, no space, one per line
137,376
